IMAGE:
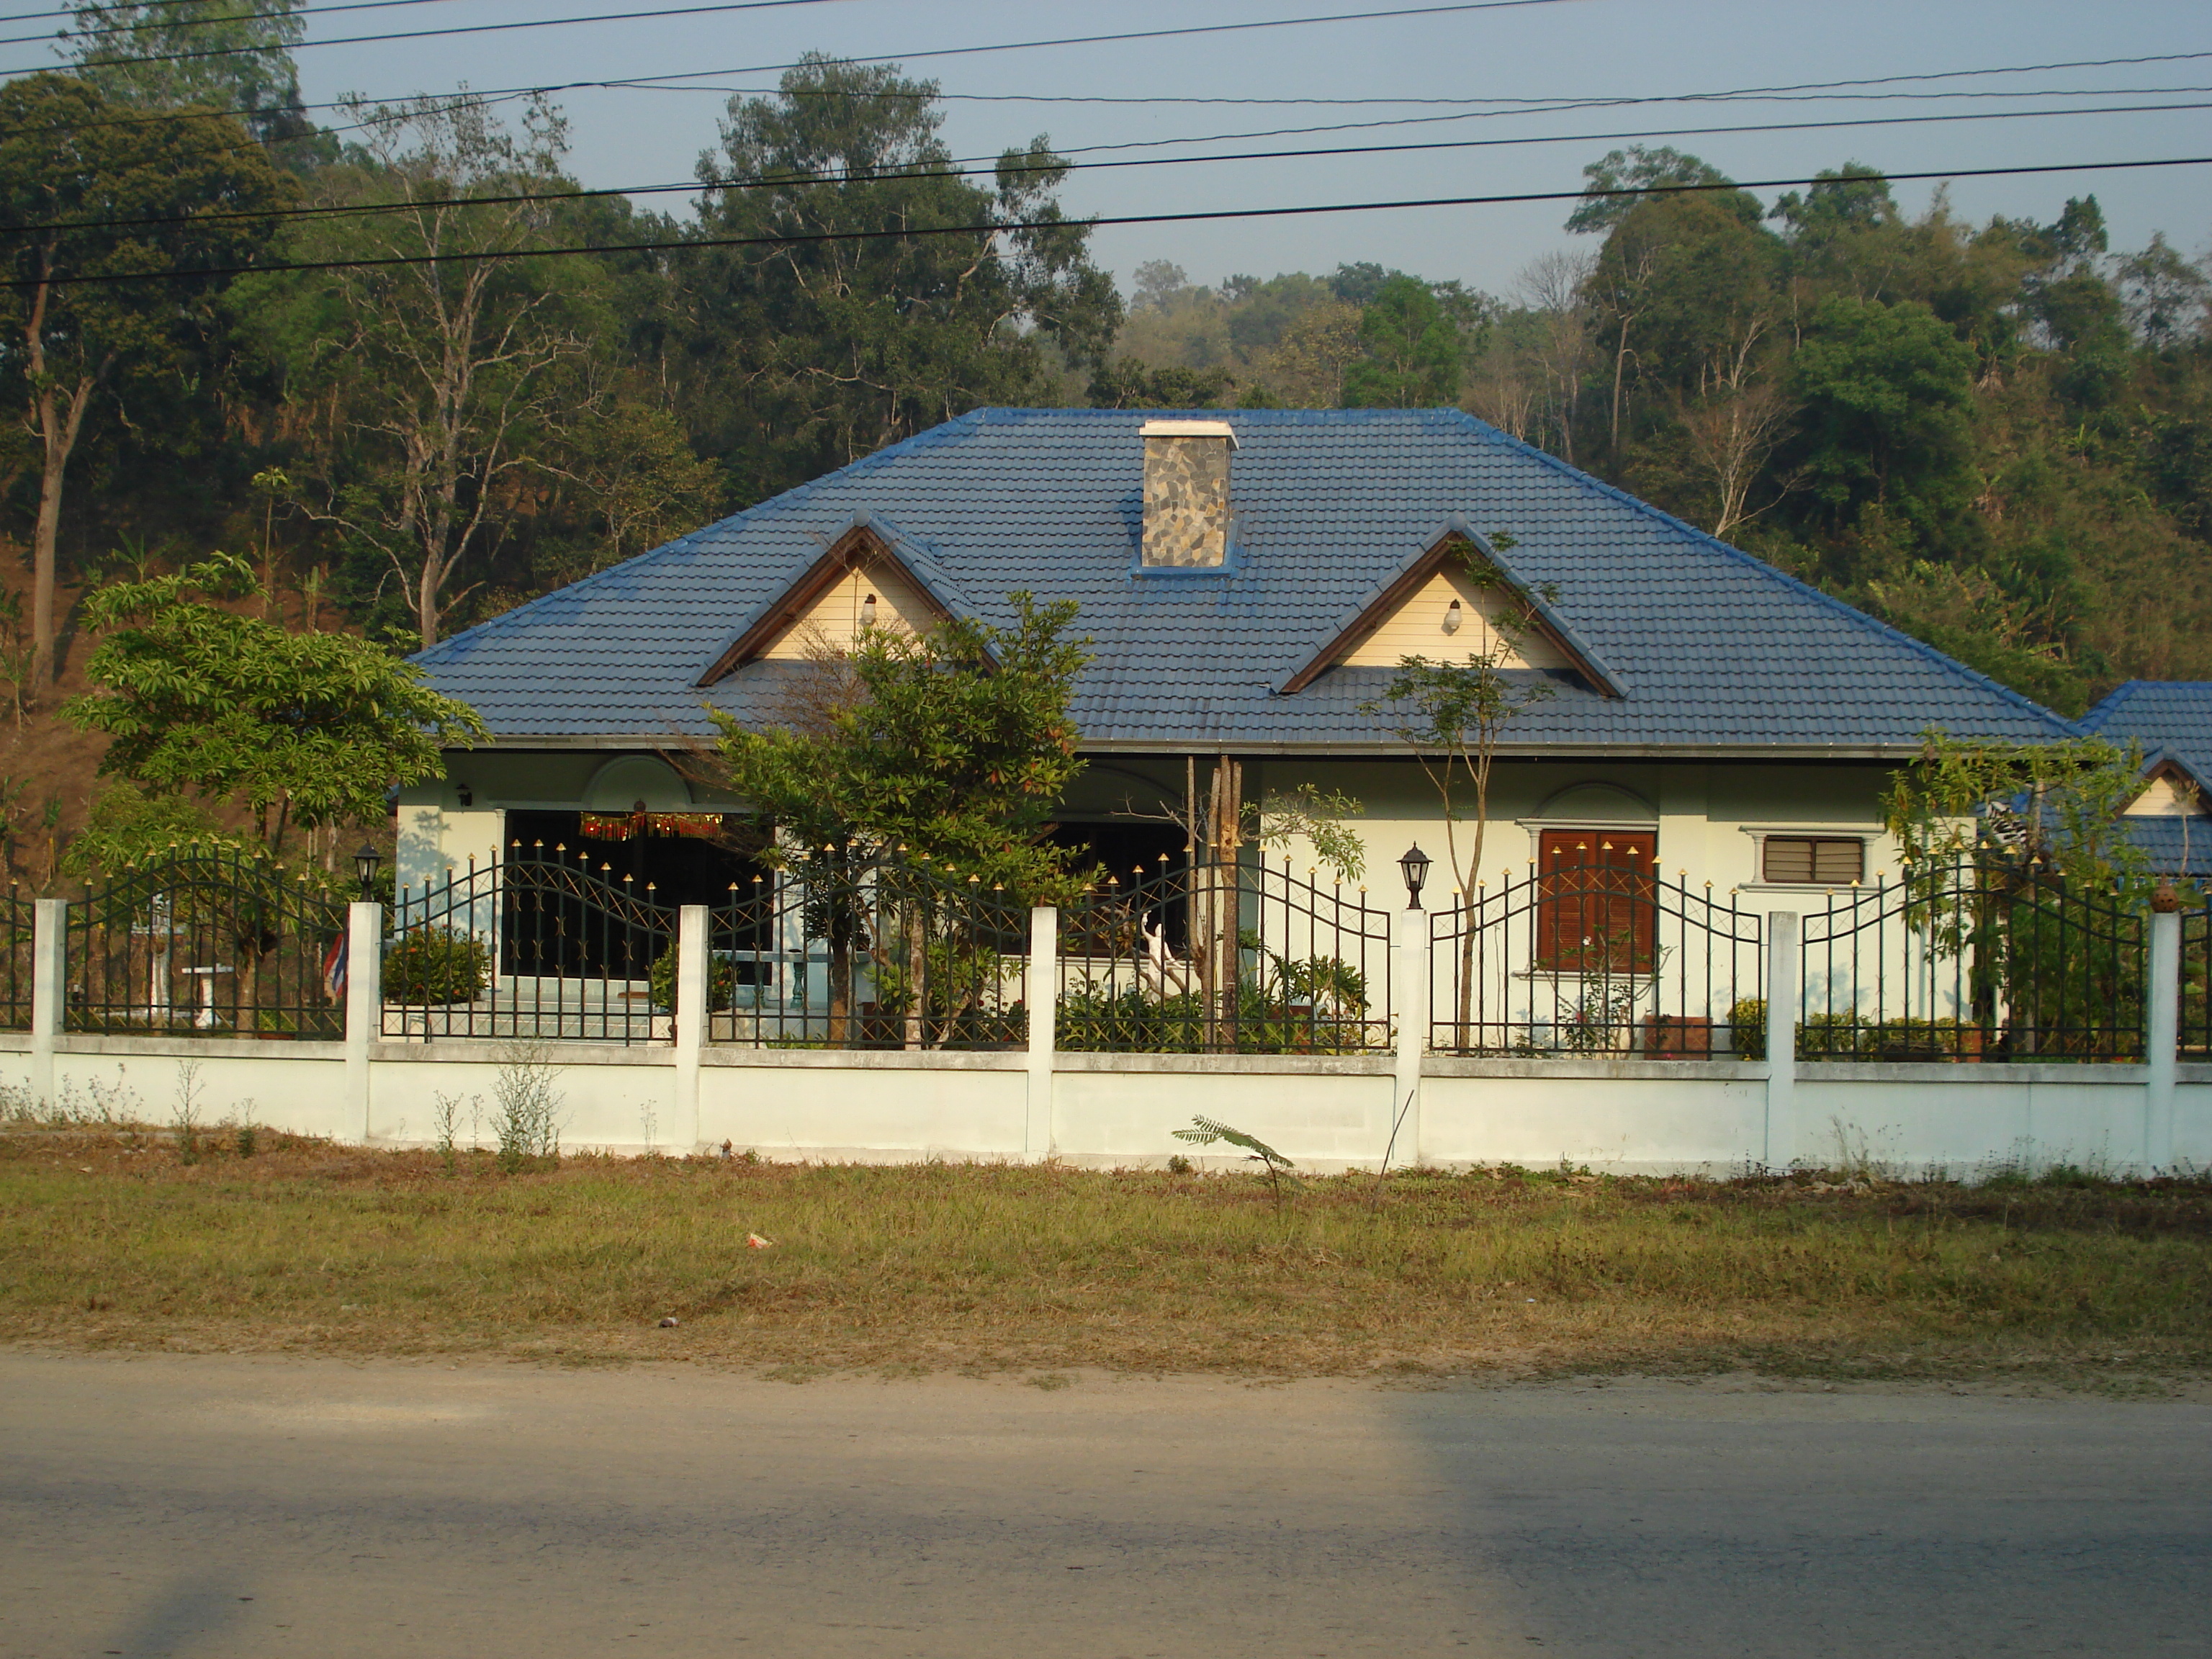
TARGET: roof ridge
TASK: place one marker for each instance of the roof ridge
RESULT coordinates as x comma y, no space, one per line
1804,589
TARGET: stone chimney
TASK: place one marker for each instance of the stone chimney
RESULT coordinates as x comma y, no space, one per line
1187,493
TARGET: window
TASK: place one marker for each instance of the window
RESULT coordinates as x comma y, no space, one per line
1814,860
1597,900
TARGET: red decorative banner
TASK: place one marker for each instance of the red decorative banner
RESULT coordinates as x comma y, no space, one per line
623,826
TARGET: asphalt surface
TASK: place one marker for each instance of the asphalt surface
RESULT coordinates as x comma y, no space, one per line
245,1507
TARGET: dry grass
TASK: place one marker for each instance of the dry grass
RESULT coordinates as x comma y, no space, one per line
108,1238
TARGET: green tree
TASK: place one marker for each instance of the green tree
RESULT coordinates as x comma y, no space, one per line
231,55
306,731
1884,395
956,744
72,350
1635,168
448,378
807,356
1451,716
1410,350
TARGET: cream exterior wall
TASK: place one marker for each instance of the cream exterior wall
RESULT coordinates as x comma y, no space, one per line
1416,628
834,619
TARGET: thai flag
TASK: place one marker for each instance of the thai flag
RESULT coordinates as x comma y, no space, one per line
334,969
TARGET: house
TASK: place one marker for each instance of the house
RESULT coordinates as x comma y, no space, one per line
2172,721
1250,580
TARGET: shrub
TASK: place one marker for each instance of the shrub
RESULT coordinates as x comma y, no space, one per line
436,965
721,982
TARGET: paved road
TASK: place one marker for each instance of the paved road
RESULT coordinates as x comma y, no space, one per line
241,1508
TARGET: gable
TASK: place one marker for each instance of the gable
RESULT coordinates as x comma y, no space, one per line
827,607
1416,626
833,620
1494,609
2171,795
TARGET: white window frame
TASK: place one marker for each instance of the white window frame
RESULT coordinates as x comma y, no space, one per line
1758,833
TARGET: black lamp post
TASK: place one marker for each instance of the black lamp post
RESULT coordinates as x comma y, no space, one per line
1415,864
364,865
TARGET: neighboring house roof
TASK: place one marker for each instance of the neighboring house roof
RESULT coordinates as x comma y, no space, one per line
2173,722
2171,716
1707,650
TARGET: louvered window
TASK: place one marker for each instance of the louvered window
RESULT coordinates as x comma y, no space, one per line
1814,860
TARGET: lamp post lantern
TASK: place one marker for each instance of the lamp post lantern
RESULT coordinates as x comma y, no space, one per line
364,867
1415,864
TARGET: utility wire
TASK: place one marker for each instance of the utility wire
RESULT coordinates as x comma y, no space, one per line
103,8
986,166
80,33
1515,105
882,58
802,238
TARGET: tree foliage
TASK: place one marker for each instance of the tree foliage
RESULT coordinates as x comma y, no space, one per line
955,744
194,695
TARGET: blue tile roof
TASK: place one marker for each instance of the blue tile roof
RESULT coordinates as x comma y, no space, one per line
2172,720
1718,653
2174,716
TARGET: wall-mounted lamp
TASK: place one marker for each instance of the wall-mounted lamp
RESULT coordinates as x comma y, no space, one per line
1453,617
1415,864
868,612
464,794
364,865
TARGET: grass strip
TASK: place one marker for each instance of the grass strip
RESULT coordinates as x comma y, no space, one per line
110,1239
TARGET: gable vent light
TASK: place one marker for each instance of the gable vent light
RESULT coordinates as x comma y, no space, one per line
868,612
1453,617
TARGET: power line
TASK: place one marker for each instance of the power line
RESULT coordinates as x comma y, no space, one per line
882,58
985,165
1516,105
106,7
1801,86
476,255
302,12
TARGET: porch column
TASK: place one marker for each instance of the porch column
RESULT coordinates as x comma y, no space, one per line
49,991
1041,997
1785,931
364,1004
692,946
2162,1010
1409,966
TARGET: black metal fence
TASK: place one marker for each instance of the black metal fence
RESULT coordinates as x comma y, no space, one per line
2194,1027
543,944
1974,958
1201,957
18,919
1595,953
845,949
213,943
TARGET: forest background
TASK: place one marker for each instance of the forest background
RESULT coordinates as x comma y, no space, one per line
1998,436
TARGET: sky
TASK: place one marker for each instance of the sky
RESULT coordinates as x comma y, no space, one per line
1538,49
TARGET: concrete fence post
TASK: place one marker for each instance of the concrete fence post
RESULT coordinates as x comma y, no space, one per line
693,956
1400,1142
2161,1037
1041,997
364,1004
1785,934
49,991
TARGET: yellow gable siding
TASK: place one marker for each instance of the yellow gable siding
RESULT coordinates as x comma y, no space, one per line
1416,628
834,619
2165,798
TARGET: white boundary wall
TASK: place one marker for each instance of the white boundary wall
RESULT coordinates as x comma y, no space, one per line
1106,1110
1645,1116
